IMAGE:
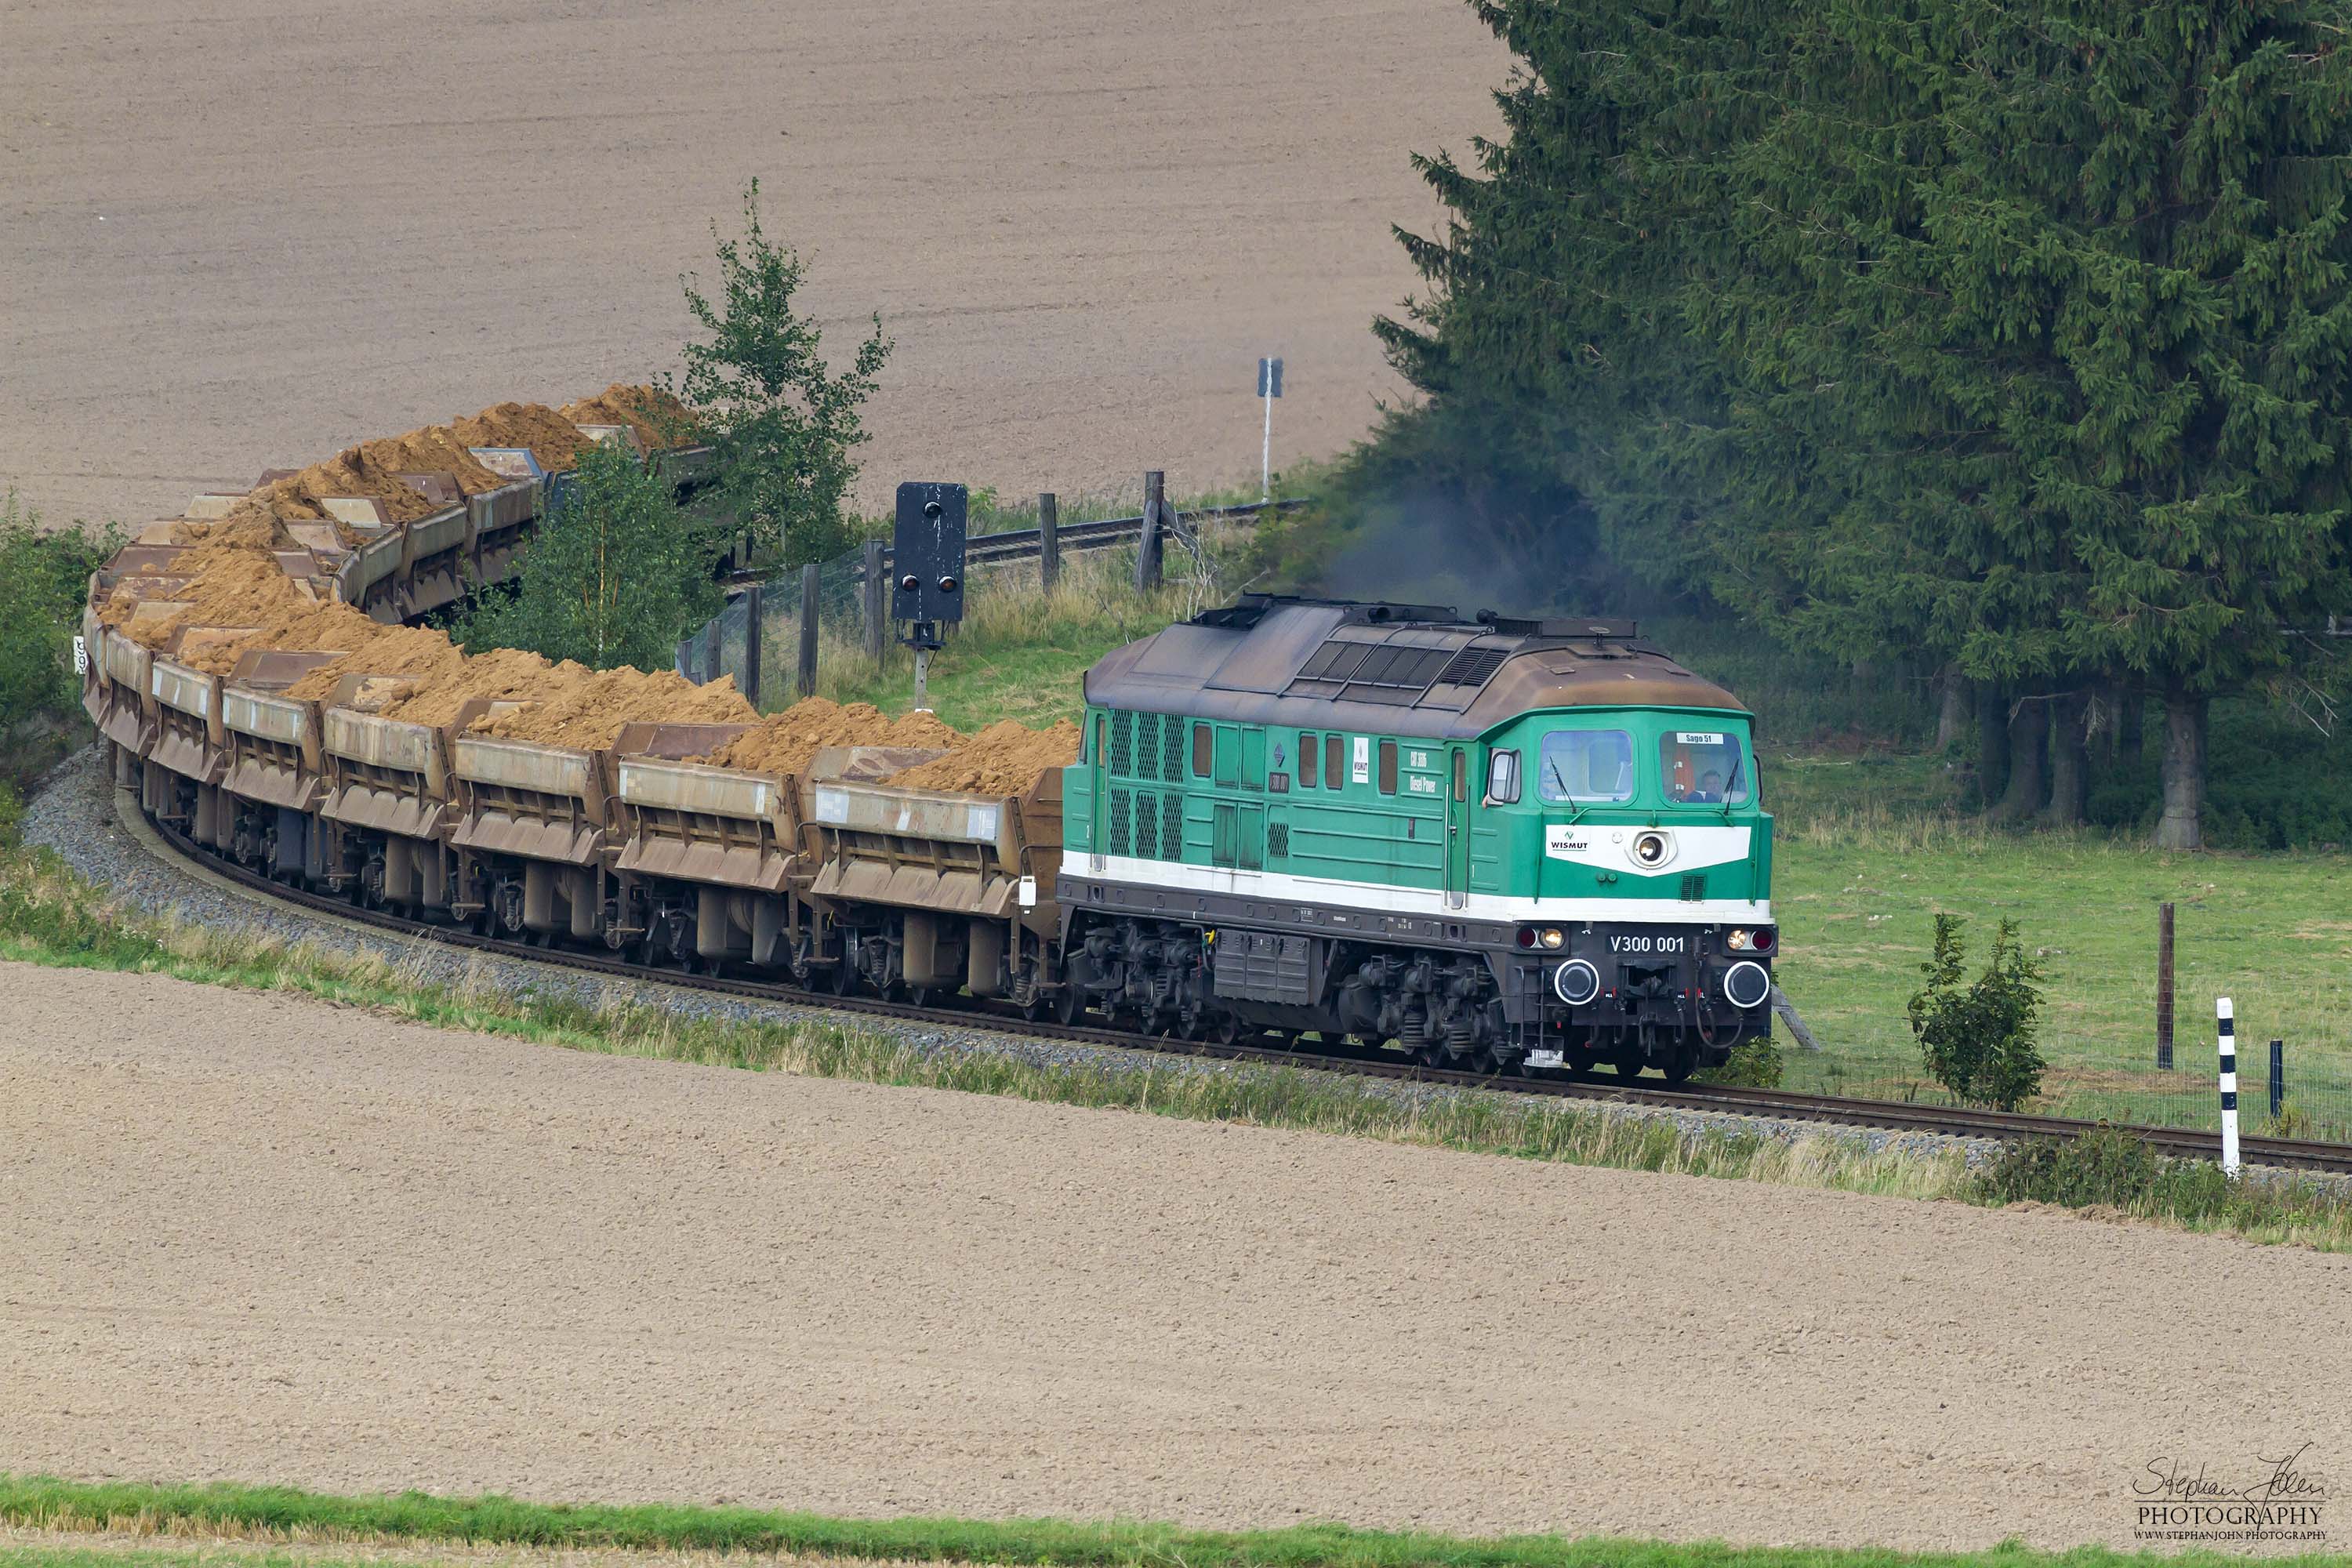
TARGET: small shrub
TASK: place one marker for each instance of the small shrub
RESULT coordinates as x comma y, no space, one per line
1755,1063
2107,1165
2294,1122
1978,1041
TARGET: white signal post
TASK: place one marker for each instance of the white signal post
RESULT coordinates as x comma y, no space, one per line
2225,1015
1269,387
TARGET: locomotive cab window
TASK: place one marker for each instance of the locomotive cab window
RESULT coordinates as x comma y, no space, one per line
1586,765
1388,767
1308,755
1204,750
1503,778
1704,767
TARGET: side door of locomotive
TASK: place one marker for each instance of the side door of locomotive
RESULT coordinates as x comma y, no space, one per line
1457,828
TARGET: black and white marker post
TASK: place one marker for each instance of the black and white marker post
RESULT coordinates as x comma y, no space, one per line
1269,387
2226,1016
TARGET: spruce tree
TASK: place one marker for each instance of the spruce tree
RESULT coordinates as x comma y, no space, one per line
2057,295
2010,336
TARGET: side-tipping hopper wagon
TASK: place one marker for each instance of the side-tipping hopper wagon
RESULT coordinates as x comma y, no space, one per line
387,813
272,774
931,893
708,856
180,780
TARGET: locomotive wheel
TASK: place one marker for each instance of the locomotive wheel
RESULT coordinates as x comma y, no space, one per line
1068,1005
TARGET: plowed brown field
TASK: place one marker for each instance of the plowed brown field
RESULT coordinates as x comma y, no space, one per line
257,1238
247,238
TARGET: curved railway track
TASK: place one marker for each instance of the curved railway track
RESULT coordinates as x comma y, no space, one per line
1777,1104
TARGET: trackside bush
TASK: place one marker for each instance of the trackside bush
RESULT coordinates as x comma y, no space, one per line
1755,1063
1978,1040
44,574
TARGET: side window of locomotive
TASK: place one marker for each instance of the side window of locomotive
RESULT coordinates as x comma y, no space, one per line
1388,767
1335,761
1704,767
1461,776
1586,766
1204,750
1503,778
1095,755
1308,752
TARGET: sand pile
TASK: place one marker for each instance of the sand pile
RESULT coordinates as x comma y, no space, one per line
584,708
434,449
349,473
1003,759
658,419
783,742
554,440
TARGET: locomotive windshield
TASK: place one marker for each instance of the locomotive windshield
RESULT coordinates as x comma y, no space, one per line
1704,767
1582,765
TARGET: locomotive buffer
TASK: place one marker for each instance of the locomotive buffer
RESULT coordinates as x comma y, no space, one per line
927,551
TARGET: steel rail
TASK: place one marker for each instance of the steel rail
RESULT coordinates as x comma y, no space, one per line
1721,1098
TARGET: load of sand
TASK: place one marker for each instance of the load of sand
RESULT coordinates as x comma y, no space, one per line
554,440
584,708
657,418
783,742
1003,759
229,587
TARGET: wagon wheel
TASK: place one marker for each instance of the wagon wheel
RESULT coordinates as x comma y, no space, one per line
917,995
845,976
1225,1030
1628,1067
1068,1005
1680,1066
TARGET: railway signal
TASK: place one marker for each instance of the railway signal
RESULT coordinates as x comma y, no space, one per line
927,553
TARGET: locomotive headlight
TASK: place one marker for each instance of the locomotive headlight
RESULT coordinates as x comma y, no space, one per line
1737,941
1652,848
1550,936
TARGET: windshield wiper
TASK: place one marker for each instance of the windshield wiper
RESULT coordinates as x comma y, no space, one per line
1731,784
1575,806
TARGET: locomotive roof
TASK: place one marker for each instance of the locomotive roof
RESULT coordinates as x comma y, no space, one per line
1396,669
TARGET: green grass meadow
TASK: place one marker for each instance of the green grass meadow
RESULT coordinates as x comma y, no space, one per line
231,1513
1856,900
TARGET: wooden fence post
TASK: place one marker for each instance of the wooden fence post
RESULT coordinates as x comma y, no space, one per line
807,684
1049,540
2163,987
752,611
878,603
1147,544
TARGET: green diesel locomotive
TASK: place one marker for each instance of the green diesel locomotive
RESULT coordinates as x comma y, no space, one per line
1492,843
